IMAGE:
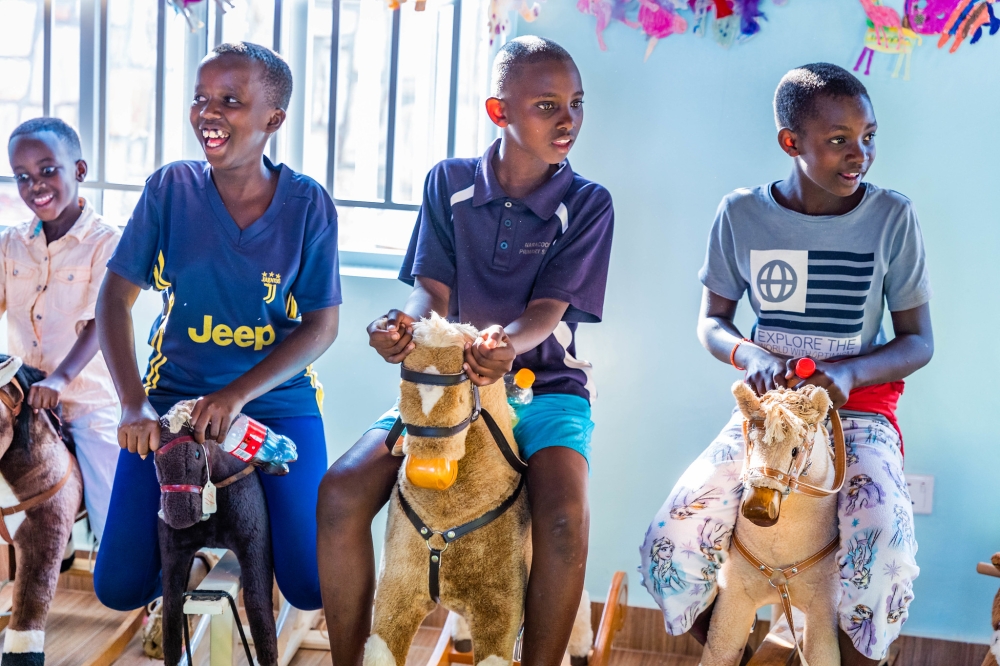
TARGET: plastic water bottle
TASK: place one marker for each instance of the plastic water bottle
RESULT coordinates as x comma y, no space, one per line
254,443
519,391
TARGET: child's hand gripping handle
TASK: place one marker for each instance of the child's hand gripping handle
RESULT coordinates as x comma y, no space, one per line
804,369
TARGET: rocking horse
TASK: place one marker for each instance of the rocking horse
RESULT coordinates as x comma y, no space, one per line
43,475
789,472
458,531
211,499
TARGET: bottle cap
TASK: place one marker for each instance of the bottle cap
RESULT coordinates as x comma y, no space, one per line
524,378
805,367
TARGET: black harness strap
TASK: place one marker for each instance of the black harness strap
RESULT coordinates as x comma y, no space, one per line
508,453
433,576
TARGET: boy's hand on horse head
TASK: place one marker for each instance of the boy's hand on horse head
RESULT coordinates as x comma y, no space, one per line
834,377
139,429
764,370
392,336
489,357
213,414
45,394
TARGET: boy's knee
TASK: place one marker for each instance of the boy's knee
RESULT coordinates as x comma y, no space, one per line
565,525
343,495
114,595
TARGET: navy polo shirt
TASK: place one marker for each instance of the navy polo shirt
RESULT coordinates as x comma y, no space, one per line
229,296
497,254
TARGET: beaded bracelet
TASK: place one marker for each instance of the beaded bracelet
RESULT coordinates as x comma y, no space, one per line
732,354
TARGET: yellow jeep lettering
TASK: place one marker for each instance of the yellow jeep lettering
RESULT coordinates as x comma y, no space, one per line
205,335
243,336
263,336
222,335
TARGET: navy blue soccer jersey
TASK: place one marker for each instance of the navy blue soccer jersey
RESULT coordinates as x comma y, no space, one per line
497,254
229,296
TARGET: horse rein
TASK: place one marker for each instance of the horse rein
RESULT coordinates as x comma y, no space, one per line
779,578
15,406
450,535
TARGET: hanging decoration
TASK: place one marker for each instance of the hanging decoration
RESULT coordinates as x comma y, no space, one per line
182,7
499,13
727,21
952,21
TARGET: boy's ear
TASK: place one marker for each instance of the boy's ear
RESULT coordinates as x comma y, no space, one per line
81,171
495,110
789,142
276,120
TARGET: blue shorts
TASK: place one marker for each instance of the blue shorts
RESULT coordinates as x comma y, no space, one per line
552,419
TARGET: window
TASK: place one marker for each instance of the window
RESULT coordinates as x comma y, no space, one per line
380,95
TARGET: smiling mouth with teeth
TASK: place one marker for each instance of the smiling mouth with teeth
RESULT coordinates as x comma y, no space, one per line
214,138
43,200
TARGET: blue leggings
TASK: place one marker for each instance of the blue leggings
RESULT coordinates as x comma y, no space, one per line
127,574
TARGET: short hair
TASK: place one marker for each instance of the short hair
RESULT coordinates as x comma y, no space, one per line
797,93
277,74
521,51
66,134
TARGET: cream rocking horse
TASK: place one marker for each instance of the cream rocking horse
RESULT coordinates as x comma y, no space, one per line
789,468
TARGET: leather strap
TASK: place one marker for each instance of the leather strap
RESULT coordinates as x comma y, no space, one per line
13,404
33,501
779,578
408,375
508,453
434,565
792,481
229,480
394,432
181,488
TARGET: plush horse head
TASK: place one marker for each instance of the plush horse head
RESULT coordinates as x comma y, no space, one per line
782,430
437,416
182,467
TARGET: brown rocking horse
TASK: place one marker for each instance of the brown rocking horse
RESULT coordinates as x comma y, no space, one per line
43,475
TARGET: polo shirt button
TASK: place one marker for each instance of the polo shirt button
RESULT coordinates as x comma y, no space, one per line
38,288
507,204
503,245
38,317
506,223
34,343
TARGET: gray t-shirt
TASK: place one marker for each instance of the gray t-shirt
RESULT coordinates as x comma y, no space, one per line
818,283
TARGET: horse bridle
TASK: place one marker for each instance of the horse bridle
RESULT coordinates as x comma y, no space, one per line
15,406
195,488
450,535
780,577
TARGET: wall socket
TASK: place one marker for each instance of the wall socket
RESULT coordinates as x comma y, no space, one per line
921,488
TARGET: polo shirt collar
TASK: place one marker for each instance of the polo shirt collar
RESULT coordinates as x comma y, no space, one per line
543,202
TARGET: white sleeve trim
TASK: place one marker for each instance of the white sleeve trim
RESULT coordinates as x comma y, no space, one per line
563,214
564,336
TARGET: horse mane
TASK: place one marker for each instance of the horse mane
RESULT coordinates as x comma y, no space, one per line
26,377
788,415
436,331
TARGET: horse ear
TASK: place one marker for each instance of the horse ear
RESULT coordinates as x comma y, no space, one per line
8,369
746,400
820,399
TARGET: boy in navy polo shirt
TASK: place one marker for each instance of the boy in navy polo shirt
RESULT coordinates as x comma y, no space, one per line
518,245
245,255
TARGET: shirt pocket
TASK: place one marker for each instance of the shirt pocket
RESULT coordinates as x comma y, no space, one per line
22,283
69,288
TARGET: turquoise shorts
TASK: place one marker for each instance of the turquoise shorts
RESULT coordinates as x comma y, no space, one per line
552,419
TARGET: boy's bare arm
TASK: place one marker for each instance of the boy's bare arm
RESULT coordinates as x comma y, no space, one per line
139,428
213,414
46,393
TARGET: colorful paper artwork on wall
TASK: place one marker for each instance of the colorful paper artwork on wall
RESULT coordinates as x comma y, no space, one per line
953,21
182,7
727,21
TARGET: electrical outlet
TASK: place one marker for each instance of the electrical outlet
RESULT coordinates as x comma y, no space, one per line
921,488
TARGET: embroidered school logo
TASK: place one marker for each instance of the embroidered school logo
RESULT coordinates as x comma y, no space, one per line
776,281
271,281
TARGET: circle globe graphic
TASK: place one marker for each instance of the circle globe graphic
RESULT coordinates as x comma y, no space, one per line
776,281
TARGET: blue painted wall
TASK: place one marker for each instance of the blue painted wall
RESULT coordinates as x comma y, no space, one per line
669,138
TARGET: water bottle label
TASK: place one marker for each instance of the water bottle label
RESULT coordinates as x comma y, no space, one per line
252,440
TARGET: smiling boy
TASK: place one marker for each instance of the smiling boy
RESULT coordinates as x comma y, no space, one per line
518,245
821,255
53,268
245,255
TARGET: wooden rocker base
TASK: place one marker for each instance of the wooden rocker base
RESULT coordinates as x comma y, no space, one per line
612,620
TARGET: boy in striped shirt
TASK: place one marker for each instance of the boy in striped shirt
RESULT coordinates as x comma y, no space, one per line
820,255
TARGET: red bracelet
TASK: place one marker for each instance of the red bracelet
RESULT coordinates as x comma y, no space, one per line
732,354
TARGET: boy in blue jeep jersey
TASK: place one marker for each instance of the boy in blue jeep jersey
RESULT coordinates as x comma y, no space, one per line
516,244
245,255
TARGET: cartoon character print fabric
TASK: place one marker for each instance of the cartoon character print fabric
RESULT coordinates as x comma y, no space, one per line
689,539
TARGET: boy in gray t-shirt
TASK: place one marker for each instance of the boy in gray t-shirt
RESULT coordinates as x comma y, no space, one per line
820,255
